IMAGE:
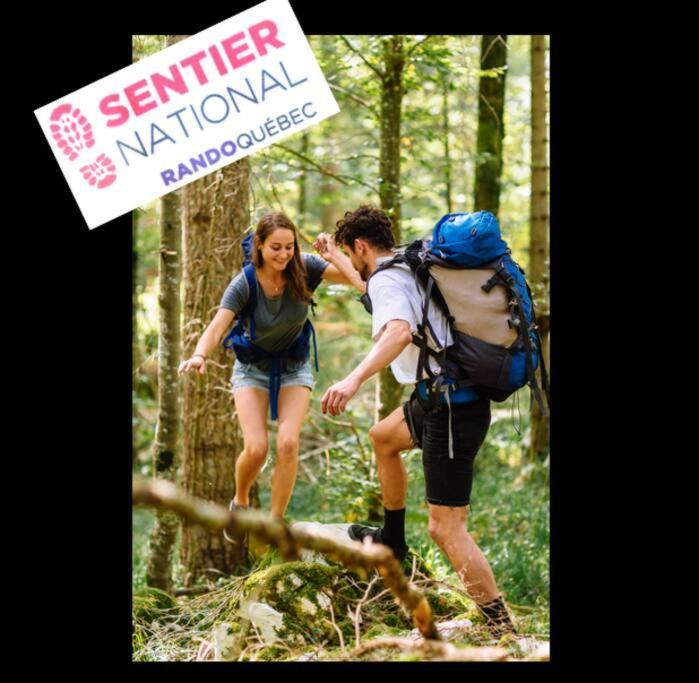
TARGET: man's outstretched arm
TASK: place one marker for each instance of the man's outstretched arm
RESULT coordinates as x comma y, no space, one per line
394,338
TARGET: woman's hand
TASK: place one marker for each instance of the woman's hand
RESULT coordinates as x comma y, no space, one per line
194,363
326,247
340,270
209,340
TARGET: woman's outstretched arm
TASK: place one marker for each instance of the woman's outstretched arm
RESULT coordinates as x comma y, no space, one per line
208,341
340,271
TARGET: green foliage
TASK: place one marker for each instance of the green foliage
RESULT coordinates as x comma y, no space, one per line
148,602
142,523
352,489
146,45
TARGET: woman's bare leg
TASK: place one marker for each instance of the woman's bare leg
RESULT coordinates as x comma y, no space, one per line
293,406
251,406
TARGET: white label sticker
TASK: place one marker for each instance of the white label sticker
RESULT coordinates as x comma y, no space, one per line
176,116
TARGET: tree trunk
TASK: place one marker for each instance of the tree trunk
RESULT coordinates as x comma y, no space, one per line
445,142
215,215
491,100
303,188
539,224
165,461
330,212
135,350
393,63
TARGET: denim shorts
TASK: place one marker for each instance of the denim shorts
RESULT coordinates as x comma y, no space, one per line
251,375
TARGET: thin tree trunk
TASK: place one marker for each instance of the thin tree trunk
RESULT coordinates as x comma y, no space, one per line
539,222
215,215
445,142
330,212
303,188
491,131
135,349
330,209
392,90
165,460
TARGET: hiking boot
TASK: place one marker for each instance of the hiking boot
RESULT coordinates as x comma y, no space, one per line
358,532
233,507
497,618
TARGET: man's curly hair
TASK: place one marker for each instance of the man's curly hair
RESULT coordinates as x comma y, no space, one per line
367,223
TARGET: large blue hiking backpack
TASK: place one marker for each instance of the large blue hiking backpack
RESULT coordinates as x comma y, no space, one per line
241,340
467,271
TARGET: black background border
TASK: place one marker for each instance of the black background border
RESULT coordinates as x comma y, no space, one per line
84,298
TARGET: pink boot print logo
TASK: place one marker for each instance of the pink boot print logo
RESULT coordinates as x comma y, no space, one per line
73,136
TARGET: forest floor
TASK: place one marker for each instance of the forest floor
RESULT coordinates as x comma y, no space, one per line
509,519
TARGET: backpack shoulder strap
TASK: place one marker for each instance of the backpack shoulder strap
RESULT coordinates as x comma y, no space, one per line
246,312
365,299
248,309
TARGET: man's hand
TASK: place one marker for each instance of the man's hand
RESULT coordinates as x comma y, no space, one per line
325,246
335,399
393,339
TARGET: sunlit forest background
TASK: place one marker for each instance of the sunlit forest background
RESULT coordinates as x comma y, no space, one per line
314,177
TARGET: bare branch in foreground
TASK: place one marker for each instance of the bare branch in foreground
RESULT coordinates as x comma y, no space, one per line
352,554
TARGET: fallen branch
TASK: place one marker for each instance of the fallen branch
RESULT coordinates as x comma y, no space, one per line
435,650
357,613
194,590
333,623
353,555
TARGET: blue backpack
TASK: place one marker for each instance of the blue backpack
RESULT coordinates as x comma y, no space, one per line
466,270
241,341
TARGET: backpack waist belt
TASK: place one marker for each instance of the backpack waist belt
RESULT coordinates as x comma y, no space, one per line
456,396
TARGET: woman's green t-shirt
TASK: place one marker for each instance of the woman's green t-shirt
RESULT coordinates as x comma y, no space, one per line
279,320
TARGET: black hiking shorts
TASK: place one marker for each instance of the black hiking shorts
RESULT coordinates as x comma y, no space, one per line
448,481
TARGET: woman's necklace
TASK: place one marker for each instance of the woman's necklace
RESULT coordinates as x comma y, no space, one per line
276,288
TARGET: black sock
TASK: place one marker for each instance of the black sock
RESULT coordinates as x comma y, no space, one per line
497,617
394,527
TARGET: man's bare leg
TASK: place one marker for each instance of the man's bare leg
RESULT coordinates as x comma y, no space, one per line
390,437
448,529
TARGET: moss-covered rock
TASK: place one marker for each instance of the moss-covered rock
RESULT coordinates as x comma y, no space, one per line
446,603
303,592
148,602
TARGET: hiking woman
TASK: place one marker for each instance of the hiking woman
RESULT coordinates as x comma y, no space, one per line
277,379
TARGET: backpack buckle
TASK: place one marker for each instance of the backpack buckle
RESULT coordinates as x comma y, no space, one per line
435,390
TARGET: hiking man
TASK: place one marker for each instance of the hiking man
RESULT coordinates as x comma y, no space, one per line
449,434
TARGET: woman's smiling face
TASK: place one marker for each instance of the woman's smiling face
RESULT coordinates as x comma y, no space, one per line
278,249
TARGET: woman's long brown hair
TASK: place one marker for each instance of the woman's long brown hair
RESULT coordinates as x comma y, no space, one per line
295,270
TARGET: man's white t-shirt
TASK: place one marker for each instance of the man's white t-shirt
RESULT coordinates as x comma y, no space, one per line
396,295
